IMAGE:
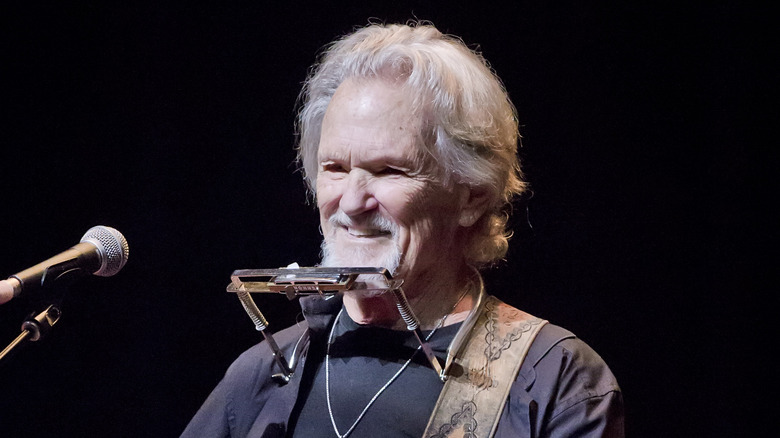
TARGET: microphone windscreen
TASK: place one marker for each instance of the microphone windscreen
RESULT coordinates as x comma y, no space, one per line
111,245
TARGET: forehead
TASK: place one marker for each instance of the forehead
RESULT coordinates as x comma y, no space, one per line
371,117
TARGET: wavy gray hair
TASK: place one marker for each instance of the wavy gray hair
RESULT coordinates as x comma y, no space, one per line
471,128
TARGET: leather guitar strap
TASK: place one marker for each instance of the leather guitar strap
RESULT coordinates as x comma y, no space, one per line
480,377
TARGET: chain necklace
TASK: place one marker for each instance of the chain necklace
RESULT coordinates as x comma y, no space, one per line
385,386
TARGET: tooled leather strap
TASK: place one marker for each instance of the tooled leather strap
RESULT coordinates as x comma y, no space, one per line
475,393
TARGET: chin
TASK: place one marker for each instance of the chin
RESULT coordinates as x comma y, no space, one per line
346,256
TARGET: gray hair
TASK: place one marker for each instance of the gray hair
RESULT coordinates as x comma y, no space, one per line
471,123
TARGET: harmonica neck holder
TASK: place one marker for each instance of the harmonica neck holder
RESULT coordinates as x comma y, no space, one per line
296,282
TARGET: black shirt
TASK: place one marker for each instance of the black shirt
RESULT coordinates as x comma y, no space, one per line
362,360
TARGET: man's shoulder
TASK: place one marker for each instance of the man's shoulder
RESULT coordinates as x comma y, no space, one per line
557,344
554,343
559,359
564,385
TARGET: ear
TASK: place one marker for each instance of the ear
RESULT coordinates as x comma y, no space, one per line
473,205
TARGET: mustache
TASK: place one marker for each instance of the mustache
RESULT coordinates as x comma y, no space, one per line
374,220
336,255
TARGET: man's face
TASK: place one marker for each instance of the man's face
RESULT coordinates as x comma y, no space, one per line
380,201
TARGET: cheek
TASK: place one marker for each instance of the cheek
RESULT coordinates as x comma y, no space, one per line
403,202
327,196
424,204
433,219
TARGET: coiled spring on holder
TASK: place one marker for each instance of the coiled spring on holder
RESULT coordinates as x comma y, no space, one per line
260,325
251,309
405,310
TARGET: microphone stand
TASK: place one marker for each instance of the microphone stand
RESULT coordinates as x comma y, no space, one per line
34,328
55,279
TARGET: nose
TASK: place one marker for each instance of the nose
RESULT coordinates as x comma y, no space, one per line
357,197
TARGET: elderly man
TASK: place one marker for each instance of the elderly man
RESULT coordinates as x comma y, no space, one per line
408,143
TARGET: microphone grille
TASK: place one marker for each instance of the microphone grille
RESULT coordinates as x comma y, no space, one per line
111,245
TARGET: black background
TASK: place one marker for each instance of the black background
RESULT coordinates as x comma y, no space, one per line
646,235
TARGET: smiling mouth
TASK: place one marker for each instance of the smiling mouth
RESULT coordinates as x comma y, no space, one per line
370,232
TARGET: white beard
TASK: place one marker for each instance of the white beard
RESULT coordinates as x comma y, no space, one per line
335,255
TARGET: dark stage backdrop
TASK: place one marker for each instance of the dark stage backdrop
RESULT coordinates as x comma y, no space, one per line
174,124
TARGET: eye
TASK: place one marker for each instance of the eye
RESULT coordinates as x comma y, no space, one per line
332,167
389,171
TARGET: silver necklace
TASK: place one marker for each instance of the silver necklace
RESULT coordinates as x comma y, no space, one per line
385,386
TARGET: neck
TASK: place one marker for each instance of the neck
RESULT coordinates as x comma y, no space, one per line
430,302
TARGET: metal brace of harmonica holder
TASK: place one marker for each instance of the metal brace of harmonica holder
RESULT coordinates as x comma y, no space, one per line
296,282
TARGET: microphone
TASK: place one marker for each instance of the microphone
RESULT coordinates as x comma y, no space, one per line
103,251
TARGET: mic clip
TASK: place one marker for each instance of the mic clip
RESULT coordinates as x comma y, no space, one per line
34,328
